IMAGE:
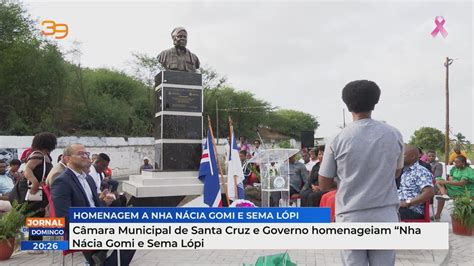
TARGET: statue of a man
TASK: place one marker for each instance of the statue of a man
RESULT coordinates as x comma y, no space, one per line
179,58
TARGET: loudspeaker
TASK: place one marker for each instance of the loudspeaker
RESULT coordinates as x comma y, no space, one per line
307,139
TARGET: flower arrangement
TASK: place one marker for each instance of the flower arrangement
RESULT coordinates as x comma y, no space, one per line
240,203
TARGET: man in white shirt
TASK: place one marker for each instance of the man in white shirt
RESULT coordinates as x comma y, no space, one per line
97,169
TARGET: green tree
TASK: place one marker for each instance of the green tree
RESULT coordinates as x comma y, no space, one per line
429,138
117,104
32,75
146,67
211,79
460,139
15,25
246,111
291,122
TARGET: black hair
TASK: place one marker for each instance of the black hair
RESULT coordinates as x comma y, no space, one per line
104,157
463,159
243,152
15,162
321,148
361,95
44,140
431,151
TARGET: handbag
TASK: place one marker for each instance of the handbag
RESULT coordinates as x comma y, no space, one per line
39,194
34,197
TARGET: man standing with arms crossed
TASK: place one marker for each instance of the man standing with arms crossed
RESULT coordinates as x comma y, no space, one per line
364,158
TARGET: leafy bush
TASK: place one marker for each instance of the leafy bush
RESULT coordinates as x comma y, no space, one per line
12,221
463,210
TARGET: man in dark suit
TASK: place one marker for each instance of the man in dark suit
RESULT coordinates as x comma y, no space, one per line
74,188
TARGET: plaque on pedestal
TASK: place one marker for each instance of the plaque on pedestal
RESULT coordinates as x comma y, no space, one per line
181,99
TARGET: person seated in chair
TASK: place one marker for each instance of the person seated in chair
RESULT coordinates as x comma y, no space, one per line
311,194
461,177
298,177
6,183
76,188
416,186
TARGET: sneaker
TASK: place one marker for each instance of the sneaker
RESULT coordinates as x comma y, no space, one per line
446,197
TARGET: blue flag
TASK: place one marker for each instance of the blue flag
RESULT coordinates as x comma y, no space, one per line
209,174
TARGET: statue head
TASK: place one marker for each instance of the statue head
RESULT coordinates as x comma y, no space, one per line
180,37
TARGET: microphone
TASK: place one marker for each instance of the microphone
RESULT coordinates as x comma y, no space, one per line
260,137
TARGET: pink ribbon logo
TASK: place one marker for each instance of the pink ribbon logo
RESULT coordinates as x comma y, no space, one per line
439,21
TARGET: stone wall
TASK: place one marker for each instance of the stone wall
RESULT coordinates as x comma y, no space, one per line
126,154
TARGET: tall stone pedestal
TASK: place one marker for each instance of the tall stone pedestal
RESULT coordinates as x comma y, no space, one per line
178,139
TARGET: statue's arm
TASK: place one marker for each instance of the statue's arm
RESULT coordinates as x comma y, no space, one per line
197,63
162,58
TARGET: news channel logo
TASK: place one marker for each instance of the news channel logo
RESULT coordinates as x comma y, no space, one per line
57,30
51,229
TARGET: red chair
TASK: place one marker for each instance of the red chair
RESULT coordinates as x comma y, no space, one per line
426,217
67,252
52,213
329,200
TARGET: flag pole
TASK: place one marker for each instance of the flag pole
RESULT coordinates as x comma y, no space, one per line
231,134
218,163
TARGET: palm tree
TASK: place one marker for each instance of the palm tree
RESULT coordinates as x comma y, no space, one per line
460,139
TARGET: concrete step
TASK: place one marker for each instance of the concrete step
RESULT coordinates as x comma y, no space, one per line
140,191
170,174
147,181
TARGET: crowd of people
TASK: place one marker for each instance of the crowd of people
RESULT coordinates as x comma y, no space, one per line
376,176
419,179
78,179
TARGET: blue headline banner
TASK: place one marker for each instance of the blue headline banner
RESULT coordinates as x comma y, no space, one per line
199,215
44,245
